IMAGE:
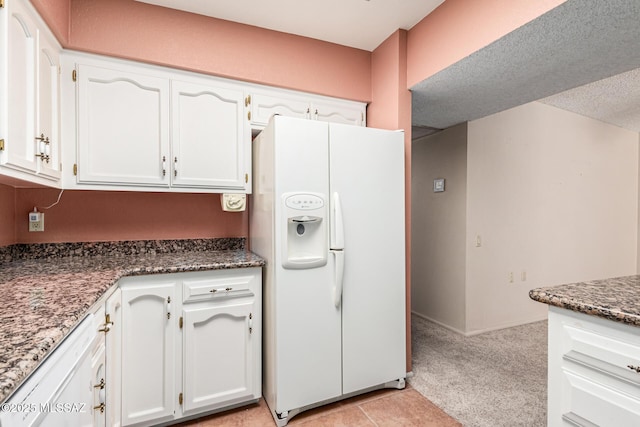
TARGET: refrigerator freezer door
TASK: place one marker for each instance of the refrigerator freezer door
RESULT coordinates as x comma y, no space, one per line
367,170
306,323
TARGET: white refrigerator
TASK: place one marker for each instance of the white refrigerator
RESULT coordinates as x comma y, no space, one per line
327,213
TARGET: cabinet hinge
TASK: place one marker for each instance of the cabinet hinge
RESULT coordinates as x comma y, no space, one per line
180,398
248,115
247,101
1,144
74,75
107,319
1,3
75,169
246,178
180,322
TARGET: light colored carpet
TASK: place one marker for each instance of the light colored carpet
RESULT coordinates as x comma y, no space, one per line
498,378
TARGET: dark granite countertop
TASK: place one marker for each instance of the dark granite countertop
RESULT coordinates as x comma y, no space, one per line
616,299
44,297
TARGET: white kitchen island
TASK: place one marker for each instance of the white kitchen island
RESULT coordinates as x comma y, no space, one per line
594,352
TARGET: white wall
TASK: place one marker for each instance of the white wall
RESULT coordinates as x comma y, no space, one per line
438,222
553,197
552,194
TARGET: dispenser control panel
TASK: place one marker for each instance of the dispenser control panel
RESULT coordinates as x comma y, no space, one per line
304,202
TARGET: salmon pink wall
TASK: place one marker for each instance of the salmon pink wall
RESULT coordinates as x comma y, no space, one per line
56,13
87,216
7,218
135,30
457,28
391,109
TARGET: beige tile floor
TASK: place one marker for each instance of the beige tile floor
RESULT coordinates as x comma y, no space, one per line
382,408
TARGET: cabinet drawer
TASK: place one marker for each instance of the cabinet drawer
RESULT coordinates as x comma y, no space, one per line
595,404
220,287
614,351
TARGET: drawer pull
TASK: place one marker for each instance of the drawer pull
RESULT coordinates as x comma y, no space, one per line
100,407
634,368
213,291
228,289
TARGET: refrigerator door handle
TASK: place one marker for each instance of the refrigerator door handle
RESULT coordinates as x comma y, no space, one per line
337,227
339,273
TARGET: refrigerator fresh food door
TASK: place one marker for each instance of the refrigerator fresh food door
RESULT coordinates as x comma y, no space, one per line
307,323
367,171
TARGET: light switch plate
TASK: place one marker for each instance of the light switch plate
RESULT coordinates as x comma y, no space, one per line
438,185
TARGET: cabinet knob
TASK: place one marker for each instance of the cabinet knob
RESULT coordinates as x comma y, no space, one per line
634,368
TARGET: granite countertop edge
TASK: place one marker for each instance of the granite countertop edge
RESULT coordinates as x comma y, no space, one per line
616,299
46,298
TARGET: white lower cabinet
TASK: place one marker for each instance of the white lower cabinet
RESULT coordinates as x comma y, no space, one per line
594,377
191,344
148,349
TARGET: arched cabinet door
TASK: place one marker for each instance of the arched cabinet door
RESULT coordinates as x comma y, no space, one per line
123,127
148,352
208,136
29,114
218,354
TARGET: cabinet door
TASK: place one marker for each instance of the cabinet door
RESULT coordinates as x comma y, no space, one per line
48,107
218,355
20,140
148,353
336,112
98,371
208,136
123,135
263,107
113,358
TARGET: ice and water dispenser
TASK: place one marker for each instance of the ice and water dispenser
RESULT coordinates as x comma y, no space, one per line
305,232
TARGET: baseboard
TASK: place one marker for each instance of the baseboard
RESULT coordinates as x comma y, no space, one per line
507,325
444,325
482,331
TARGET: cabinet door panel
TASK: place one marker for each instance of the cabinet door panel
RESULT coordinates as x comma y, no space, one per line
338,113
48,107
113,340
20,141
218,355
263,107
148,355
208,136
122,127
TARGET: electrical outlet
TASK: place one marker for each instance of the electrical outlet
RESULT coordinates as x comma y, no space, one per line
36,221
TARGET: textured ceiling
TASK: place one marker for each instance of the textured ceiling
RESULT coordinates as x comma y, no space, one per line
579,42
614,100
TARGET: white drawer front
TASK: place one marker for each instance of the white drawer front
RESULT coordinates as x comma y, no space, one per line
598,404
222,287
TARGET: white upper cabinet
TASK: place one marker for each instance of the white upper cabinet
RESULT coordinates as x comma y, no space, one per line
29,114
265,104
209,144
143,128
123,127
338,112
